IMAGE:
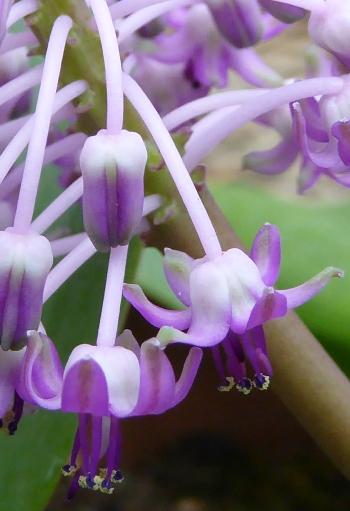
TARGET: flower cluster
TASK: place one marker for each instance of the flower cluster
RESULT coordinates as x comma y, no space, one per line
165,57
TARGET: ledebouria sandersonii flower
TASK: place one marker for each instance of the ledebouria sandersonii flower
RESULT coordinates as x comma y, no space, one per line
126,112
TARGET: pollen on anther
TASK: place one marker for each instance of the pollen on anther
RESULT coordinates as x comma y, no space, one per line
229,386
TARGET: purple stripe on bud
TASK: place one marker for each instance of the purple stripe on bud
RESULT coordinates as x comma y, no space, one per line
113,168
25,261
240,21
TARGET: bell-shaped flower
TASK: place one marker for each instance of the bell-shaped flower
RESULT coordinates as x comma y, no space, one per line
104,384
239,21
25,261
283,11
232,292
113,169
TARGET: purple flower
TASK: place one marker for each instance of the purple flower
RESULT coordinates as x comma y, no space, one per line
113,168
11,403
25,263
240,21
103,384
199,45
231,292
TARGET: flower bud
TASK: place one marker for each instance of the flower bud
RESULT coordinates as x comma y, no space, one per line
284,12
113,168
25,261
239,21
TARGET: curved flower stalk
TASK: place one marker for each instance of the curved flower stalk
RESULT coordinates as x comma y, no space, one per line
227,296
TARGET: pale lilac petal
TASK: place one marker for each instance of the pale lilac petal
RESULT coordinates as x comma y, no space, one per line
314,123
41,372
272,305
245,284
85,389
157,316
127,340
157,386
298,295
266,253
309,174
273,161
189,373
283,11
177,268
341,130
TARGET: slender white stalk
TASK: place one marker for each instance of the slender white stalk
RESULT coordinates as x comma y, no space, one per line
204,105
19,10
20,84
18,143
108,327
68,145
216,131
69,264
58,206
126,7
113,66
63,246
140,18
18,40
177,169
41,124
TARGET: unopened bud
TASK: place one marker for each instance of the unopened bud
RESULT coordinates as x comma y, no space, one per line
25,261
113,168
239,21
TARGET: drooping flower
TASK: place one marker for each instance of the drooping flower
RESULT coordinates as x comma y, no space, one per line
104,384
231,292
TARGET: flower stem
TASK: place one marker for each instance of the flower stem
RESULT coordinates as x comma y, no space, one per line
216,131
107,330
177,169
113,67
41,123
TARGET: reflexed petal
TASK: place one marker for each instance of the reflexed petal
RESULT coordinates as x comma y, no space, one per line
298,295
157,387
271,305
189,372
41,372
177,268
283,11
308,175
273,161
341,130
157,316
128,341
266,253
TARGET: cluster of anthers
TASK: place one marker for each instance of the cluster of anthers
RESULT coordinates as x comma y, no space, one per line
165,57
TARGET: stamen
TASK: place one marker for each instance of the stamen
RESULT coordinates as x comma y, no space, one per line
245,386
261,381
230,385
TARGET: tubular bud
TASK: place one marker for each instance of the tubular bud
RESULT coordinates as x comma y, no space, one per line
113,168
240,21
25,261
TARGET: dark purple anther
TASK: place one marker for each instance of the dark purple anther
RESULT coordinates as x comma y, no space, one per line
113,168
